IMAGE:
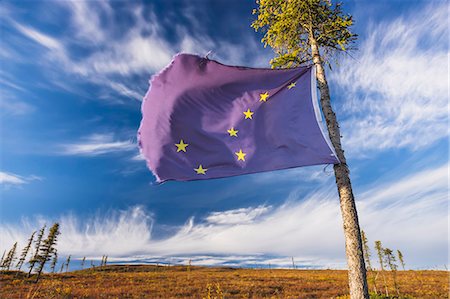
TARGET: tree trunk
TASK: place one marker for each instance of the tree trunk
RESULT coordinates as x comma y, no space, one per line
353,245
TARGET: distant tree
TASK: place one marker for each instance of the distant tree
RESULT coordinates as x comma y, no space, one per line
367,255
68,262
391,262
380,252
25,251
105,261
54,260
2,259
293,263
37,246
47,248
10,257
400,258
82,262
366,250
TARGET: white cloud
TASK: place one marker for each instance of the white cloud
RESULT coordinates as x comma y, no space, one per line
238,216
96,144
142,49
396,91
9,105
39,37
138,157
10,179
409,214
86,20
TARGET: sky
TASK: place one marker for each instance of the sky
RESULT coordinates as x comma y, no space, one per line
72,78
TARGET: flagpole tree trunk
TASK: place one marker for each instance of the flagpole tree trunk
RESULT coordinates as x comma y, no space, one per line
353,243
301,31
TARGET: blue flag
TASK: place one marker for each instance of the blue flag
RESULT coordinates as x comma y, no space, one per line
202,119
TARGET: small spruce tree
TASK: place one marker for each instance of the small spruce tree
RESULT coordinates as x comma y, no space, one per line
10,257
82,262
68,262
25,251
367,255
47,249
391,262
400,258
54,260
37,246
3,258
380,253
366,250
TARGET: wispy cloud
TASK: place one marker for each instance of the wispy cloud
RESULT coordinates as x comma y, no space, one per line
11,106
96,144
39,37
396,91
8,179
113,62
11,92
310,229
238,216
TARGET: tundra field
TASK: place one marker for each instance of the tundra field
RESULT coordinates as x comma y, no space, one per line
148,281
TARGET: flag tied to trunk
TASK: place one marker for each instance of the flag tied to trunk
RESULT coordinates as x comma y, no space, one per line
202,120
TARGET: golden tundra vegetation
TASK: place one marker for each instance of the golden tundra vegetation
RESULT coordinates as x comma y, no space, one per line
150,281
20,278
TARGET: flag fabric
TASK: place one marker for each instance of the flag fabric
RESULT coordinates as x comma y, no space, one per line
202,119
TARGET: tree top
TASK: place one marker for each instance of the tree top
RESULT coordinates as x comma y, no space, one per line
289,26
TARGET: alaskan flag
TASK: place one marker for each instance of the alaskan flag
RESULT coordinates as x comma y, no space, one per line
202,120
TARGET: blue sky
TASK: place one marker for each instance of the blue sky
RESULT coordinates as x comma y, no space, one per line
72,78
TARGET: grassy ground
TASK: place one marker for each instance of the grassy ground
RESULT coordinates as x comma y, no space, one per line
144,281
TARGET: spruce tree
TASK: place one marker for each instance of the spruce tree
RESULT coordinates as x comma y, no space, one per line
305,31
82,262
366,250
367,255
400,258
54,260
380,252
25,251
47,248
10,257
37,246
3,258
391,262
67,263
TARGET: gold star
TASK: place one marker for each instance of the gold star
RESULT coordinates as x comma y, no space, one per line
181,146
232,132
200,169
240,155
248,114
263,96
292,85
